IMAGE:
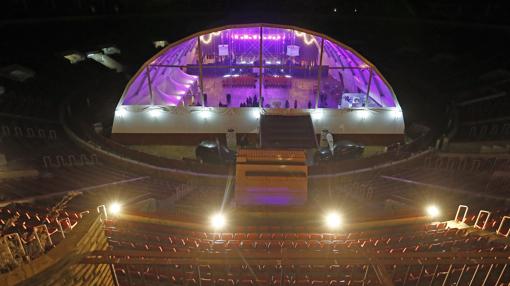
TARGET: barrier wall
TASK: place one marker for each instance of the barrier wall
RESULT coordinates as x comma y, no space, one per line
189,125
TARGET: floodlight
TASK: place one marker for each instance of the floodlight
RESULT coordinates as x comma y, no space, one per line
74,58
121,112
317,114
155,113
111,50
333,220
363,114
256,113
205,113
396,113
115,208
218,221
433,211
160,44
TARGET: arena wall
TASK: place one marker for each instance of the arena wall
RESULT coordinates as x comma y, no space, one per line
189,125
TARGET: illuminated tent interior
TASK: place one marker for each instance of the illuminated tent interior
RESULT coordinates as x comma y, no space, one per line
259,66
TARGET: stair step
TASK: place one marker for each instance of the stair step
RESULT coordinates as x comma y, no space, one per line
279,131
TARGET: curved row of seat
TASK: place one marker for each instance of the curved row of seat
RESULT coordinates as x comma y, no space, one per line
28,232
435,238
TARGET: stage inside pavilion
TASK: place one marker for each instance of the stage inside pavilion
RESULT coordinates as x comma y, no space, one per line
268,67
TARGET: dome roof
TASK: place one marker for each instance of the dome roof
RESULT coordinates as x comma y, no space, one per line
240,54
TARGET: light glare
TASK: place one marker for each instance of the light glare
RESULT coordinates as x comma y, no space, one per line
363,114
433,211
396,114
255,113
218,221
333,220
154,113
205,114
115,208
317,115
121,112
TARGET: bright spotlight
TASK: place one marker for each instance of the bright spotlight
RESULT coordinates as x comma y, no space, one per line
333,220
317,115
396,114
121,112
205,114
115,208
154,113
363,114
256,113
160,44
433,211
218,221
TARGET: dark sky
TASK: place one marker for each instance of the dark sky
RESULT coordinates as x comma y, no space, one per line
429,52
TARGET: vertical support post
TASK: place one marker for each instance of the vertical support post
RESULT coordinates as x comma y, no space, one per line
281,274
103,214
114,275
434,275
366,274
200,74
368,87
447,275
382,275
461,274
459,209
501,224
319,76
150,84
260,67
420,275
406,275
60,228
501,275
474,275
199,274
130,280
478,218
394,271
488,274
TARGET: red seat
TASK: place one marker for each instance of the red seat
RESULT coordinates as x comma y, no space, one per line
274,245
288,244
245,282
233,244
206,282
247,244
150,276
261,245
316,236
219,245
224,282
314,244
319,283
252,236
290,236
302,282
266,236
227,236
303,236
240,236
278,236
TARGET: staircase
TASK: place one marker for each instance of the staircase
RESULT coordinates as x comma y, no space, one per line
288,132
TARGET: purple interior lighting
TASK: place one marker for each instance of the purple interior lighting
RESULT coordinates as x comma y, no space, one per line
286,53
271,196
276,37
